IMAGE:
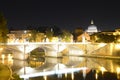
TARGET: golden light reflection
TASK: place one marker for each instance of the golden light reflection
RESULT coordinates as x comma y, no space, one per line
29,34
96,76
3,57
36,63
103,69
7,59
10,60
117,46
84,73
45,76
118,72
65,75
1,49
72,74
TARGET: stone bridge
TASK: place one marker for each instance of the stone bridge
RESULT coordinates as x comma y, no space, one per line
52,49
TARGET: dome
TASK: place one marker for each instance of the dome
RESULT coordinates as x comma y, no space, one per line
92,28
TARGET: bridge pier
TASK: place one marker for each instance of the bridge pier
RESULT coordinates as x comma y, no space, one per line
54,50
52,53
20,56
21,52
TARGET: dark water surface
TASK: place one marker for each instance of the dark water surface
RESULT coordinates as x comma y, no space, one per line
67,68
90,69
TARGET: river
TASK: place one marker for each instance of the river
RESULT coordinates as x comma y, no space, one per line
66,68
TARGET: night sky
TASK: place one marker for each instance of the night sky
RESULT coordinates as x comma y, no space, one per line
64,14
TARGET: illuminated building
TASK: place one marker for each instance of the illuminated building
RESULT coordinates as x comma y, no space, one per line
92,28
18,36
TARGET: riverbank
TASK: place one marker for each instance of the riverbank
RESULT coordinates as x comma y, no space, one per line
5,72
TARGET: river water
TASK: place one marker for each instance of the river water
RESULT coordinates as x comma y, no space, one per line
66,68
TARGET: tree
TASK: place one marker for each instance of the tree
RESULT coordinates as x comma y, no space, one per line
77,32
49,33
3,29
66,36
33,36
105,38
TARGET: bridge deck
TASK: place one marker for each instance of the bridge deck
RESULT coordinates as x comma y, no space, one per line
36,43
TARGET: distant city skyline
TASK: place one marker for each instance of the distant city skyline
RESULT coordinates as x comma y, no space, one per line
64,14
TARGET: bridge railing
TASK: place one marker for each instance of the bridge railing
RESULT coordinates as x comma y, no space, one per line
31,43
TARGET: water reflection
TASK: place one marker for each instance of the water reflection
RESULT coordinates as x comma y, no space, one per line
6,59
67,68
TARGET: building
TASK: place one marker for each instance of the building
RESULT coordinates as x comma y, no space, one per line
92,28
18,36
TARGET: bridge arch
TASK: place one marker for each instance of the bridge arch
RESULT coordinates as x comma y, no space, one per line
20,50
38,52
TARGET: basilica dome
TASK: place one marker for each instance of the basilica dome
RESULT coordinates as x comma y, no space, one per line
92,28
